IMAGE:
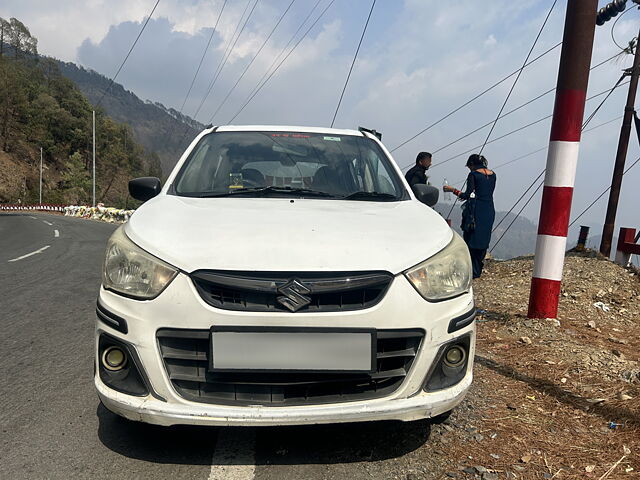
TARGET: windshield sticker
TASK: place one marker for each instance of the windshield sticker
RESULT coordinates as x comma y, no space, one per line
332,139
290,135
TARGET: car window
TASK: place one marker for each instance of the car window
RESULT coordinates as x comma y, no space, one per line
337,166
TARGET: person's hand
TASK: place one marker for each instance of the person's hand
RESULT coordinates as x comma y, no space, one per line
448,188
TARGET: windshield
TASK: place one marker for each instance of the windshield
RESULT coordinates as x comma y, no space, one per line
288,164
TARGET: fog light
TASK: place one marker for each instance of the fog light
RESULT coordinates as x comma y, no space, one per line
454,356
114,358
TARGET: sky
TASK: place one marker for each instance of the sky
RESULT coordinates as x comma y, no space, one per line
419,60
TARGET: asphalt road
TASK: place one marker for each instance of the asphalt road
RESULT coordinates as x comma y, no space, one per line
53,425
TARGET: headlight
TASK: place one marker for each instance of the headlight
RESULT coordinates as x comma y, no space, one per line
445,275
133,272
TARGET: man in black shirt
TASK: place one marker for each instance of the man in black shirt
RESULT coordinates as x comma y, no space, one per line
417,173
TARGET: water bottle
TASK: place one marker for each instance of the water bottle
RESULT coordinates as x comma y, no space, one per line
447,195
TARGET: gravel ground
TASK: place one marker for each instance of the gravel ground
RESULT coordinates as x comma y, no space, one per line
552,398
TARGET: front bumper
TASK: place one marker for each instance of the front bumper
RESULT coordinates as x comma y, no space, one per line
154,411
180,306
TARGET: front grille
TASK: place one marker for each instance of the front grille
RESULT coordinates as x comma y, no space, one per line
185,354
286,292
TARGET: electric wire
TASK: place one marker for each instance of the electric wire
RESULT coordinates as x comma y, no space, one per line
113,79
518,201
602,195
515,82
282,61
284,49
613,38
584,125
204,53
224,100
364,30
546,147
505,114
523,127
228,49
513,86
485,91
227,54
516,216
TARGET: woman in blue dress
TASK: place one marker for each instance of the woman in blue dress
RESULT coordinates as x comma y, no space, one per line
478,210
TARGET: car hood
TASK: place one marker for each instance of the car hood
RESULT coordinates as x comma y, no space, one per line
283,234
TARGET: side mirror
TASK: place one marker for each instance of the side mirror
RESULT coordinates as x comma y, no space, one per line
427,194
144,188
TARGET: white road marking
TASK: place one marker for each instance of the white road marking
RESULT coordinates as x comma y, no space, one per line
48,223
40,250
31,216
234,455
56,233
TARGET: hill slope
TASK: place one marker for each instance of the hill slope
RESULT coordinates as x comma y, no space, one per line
159,129
39,108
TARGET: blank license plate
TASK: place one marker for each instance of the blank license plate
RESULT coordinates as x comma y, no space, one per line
302,350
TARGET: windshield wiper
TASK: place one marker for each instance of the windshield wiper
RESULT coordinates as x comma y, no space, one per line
370,196
267,190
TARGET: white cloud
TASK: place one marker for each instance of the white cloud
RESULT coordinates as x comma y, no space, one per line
490,41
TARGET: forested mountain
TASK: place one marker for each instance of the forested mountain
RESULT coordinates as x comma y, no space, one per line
40,108
159,129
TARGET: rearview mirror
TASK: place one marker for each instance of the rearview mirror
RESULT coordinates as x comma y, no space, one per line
144,188
427,194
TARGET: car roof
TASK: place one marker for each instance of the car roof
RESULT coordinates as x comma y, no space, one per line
285,128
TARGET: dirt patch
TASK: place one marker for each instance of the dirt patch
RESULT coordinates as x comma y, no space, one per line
551,398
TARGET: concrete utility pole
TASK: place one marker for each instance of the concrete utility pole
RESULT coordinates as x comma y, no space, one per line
94,158
562,159
621,156
40,202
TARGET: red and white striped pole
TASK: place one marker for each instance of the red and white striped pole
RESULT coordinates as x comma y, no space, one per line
562,159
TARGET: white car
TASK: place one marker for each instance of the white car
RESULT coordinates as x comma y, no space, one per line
284,275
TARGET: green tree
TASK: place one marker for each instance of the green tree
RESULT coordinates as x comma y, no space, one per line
76,180
20,38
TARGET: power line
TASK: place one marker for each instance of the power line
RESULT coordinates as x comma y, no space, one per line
584,125
504,104
508,113
282,61
487,90
516,216
204,53
277,57
373,4
227,53
546,147
223,60
113,79
614,26
601,195
493,121
252,60
518,201
521,128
